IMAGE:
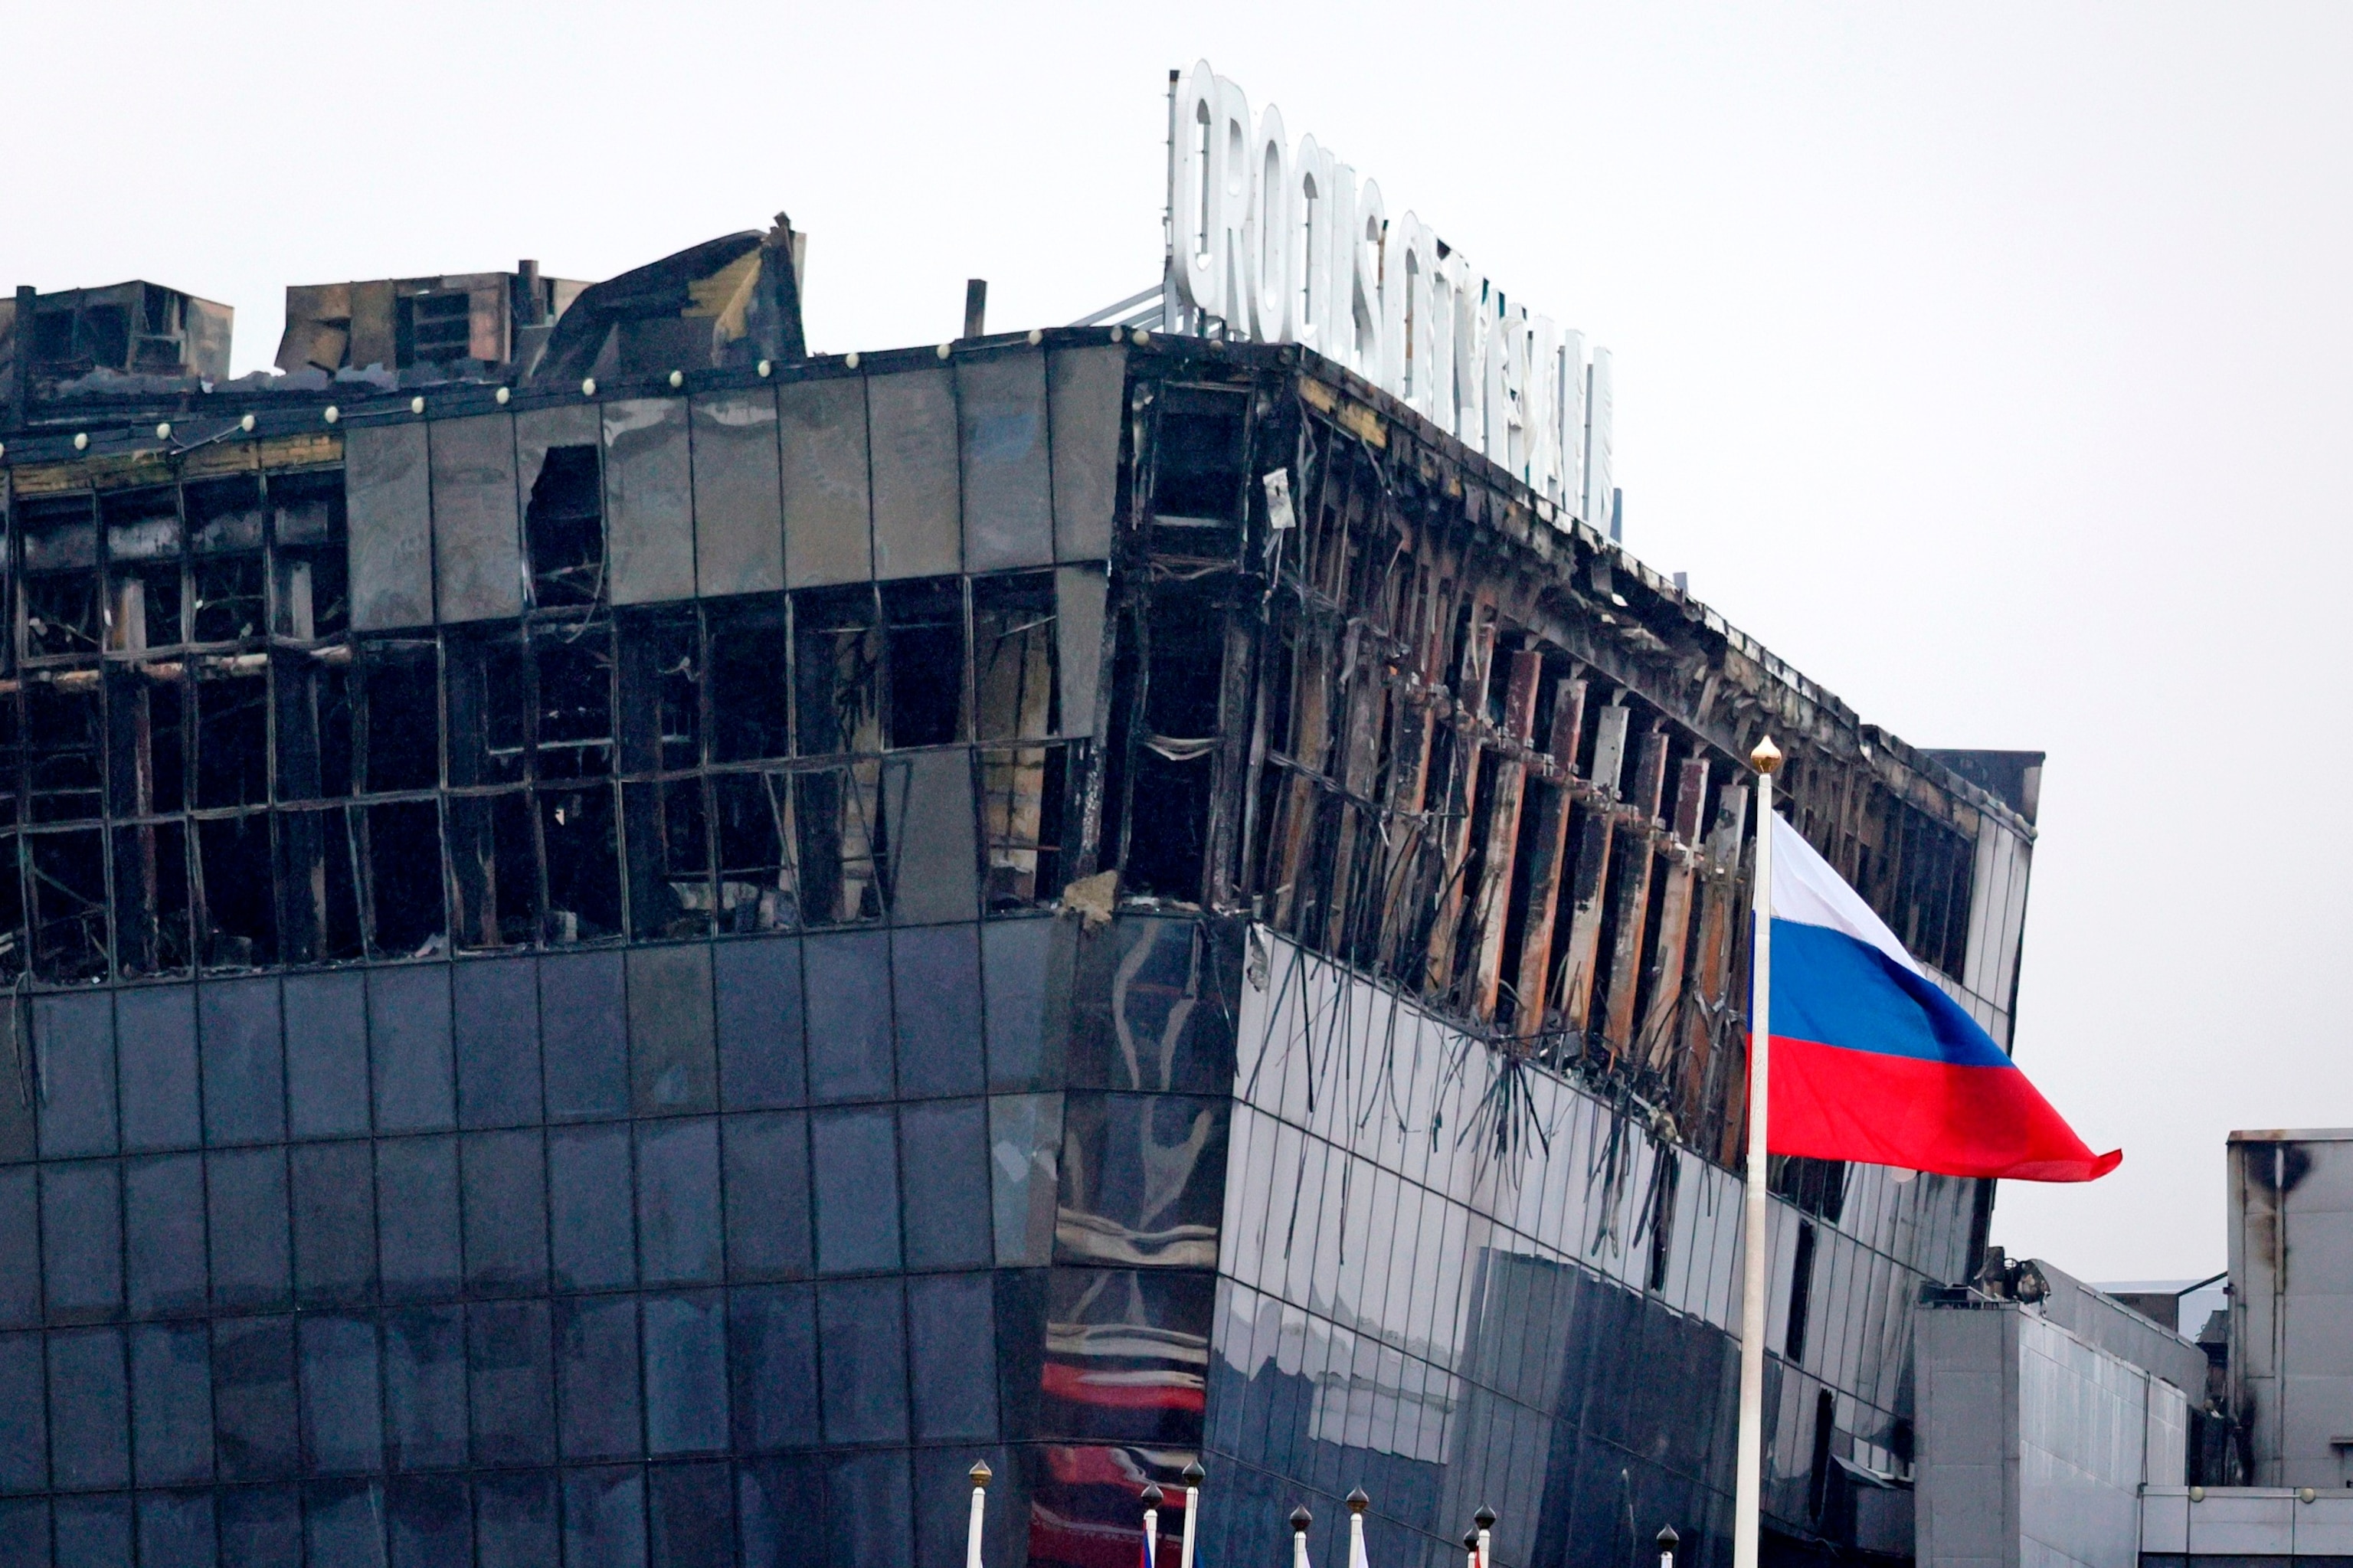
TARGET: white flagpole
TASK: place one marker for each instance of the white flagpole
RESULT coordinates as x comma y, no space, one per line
1193,1478
1152,1501
1750,1476
980,1478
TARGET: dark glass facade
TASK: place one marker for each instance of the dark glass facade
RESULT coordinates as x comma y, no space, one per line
640,978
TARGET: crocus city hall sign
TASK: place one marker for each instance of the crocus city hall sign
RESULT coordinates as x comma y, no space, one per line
1283,243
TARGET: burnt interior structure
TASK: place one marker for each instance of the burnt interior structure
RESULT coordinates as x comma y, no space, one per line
636,955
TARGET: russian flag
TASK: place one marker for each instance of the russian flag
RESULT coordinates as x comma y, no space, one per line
1871,1061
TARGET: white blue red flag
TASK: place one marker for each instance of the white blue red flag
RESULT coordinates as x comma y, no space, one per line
1872,1061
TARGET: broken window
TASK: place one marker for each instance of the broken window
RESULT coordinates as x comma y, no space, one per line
494,868
926,657
564,528
670,861
63,749
1013,644
68,920
573,678
750,700
582,849
12,759
310,597
15,952
1013,654
431,328
754,836
661,693
399,721
836,669
403,915
1174,745
1815,1186
229,601
60,546
143,560
239,894
148,758
1934,879
1199,466
838,813
488,707
314,726
317,887
1024,789
151,898
232,738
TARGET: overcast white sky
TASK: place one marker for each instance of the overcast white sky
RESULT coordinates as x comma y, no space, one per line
1993,364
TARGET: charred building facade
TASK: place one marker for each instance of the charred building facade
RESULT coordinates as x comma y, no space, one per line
638,954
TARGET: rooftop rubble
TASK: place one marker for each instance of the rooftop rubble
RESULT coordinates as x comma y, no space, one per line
141,353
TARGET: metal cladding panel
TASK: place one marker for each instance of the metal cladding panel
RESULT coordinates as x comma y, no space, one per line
2243,1521
1008,513
388,498
1079,595
2165,1521
739,519
649,501
914,439
934,866
476,552
829,533
1966,1505
1089,397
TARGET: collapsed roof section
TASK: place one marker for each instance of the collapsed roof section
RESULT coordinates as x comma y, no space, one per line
140,351
726,303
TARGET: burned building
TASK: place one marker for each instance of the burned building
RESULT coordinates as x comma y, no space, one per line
638,957
81,340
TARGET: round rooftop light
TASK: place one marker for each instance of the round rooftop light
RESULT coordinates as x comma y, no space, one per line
588,387
677,379
247,424
764,369
1114,335
163,431
81,440
417,405
503,396
1037,336
943,351
850,359
332,414
1142,336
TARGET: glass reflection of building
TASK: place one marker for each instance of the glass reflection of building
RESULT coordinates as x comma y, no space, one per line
565,1009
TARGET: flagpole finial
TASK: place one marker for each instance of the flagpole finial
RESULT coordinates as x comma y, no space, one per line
1152,1496
1193,1474
1300,1520
981,1474
1766,757
1485,1518
1357,1501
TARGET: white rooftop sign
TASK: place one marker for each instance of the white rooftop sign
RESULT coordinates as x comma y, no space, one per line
1285,243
